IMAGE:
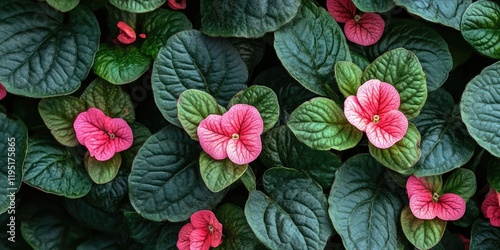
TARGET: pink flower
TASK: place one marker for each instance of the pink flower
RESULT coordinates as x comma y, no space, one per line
102,135
3,92
363,29
426,203
374,110
203,232
235,134
177,4
127,34
491,207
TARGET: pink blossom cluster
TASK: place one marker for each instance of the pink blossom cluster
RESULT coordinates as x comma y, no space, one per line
204,231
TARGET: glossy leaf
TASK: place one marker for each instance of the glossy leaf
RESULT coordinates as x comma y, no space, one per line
69,46
219,174
237,233
63,5
59,114
348,76
481,27
374,5
102,171
137,6
182,64
363,208
110,196
245,18
480,108
321,125
167,166
484,236
446,144
292,213
423,234
249,180
462,182
493,173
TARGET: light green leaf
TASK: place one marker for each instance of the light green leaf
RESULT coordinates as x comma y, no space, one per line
237,233
321,124
374,5
484,236
219,174
462,182
63,5
42,54
481,27
183,64
59,114
137,6
423,234
102,171
348,76
249,180
245,18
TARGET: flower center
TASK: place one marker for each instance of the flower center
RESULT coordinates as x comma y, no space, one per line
210,228
435,197
357,18
235,136
375,119
111,136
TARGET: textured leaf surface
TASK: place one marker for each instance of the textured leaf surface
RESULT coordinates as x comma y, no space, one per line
110,196
54,169
48,57
480,108
91,217
374,5
423,234
219,174
245,18
363,208
493,174
481,27
348,76
165,183
462,182
102,171
183,64
484,236
63,5
137,6
237,233
321,125
309,46
293,214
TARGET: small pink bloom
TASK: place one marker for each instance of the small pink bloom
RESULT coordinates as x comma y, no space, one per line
127,34
427,204
203,232
341,10
374,110
235,134
102,135
177,4
3,92
491,208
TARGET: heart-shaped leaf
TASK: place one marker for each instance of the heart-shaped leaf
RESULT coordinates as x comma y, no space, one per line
365,31
182,64
401,68
446,144
219,174
59,114
193,106
262,98
63,5
309,46
137,6
237,233
348,76
292,215
361,200
462,182
14,135
69,46
102,171
480,108
374,5
120,65
245,18
423,234
165,183
448,13
321,125
484,236
54,169
480,27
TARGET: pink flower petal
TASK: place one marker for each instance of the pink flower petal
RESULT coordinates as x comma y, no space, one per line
90,124
355,114
378,97
365,31
428,184
208,230
390,129
127,34
213,138
177,4
422,206
120,133
450,207
202,218
494,217
200,239
3,91
491,200
183,242
341,10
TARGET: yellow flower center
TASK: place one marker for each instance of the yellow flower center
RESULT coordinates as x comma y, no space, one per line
357,18
210,228
375,119
235,136
435,197
112,136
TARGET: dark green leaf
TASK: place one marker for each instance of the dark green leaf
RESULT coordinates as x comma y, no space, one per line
423,234
142,230
462,182
63,5
374,5
141,134
137,6
448,13
493,173
219,174
110,196
94,218
237,233
481,27
471,213
249,180
251,51
484,236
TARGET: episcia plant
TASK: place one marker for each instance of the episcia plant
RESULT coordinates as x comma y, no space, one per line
280,124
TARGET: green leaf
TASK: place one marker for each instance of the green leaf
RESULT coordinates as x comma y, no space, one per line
99,241
219,174
237,233
448,13
159,26
401,156
348,76
249,180
137,6
363,208
110,99
59,114
165,183
251,51
14,138
309,46
102,171
262,98
423,234
193,107
280,148
422,40
141,134
471,213
374,5
245,18
183,64
480,108
481,27
484,236
462,182
401,68
293,214
120,65
493,173
321,124
49,56
446,144
142,230
110,196
94,218
359,60
167,239
55,169
63,5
